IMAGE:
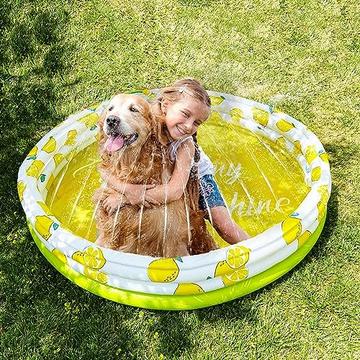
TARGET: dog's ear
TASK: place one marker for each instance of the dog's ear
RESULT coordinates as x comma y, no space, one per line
102,119
158,128
101,135
162,133
158,125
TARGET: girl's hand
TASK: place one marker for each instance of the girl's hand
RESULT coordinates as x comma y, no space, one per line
135,194
113,202
151,196
163,194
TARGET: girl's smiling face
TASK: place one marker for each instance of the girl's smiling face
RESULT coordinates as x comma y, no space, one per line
183,117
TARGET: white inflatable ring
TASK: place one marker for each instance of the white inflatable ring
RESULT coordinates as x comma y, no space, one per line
192,281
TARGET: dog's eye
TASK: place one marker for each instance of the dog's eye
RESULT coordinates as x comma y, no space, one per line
111,108
133,108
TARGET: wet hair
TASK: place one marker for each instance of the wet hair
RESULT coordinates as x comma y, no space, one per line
177,91
185,87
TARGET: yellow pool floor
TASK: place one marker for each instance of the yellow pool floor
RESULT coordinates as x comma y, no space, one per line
260,181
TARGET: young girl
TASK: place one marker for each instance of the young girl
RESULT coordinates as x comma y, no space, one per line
182,108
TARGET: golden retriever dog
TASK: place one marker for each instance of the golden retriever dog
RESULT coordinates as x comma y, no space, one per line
133,147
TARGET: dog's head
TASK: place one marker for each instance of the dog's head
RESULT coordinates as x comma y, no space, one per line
127,123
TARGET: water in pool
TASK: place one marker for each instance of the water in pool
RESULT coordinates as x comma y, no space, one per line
260,181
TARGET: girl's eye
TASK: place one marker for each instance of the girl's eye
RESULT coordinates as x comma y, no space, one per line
133,108
187,115
111,108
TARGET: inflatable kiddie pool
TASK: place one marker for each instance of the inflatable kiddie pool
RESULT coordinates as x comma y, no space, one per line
273,173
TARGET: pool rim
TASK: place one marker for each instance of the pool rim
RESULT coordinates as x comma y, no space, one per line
181,302
209,256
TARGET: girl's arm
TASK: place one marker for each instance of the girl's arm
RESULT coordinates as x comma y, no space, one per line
134,193
174,189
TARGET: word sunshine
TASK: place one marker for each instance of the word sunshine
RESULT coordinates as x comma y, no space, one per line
230,175
253,207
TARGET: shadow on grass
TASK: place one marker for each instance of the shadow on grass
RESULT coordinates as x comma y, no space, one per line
34,58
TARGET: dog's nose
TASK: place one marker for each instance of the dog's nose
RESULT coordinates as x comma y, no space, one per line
113,120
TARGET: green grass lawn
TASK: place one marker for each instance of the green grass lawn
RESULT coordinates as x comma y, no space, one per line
57,57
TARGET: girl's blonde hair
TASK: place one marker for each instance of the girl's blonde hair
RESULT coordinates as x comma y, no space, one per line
187,86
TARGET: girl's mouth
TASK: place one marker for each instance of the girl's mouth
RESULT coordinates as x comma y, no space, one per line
182,132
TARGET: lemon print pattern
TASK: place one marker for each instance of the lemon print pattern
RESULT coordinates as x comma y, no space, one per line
58,158
316,173
79,257
297,147
321,206
222,268
71,137
94,258
236,114
50,146
35,168
188,289
303,238
163,270
90,120
60,255
235,276
33,152
291,228
95,275
324,157
324,193
71,154
43,225
284,125
281,142
233,269
310,154
237,256
21,188
216,100
49,182
260,116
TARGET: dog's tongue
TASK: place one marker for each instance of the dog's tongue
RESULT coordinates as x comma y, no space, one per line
114,143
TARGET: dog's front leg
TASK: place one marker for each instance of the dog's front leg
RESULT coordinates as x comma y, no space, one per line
114,202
